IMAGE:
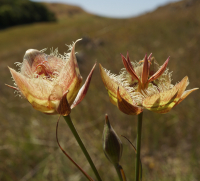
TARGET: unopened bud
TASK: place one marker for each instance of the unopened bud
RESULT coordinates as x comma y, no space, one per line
112,145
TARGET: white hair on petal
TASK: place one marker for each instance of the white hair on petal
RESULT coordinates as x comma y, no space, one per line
43,85
136,96
66,55
17,92
19,65
58,55
50,82
162,84
43,50
152,89
121,80
73,43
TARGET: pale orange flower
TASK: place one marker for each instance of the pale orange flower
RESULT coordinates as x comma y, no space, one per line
51,83
142,85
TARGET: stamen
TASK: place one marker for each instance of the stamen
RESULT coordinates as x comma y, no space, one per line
41,70
44,68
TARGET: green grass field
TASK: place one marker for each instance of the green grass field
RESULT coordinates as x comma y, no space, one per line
170,142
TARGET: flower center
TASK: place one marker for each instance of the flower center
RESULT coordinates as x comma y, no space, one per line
44,70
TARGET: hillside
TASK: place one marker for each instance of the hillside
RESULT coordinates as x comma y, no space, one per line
170,142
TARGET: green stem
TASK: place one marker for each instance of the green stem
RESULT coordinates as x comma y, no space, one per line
117,167
78,139
86,175
139,134
120,172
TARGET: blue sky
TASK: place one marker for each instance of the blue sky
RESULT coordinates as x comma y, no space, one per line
115,8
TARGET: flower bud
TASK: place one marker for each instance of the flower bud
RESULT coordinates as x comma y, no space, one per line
112,145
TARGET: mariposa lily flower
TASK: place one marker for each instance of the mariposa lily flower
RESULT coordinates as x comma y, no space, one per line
51,83
142,85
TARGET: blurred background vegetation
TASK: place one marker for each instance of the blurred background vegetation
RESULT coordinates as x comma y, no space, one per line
170,142
16,12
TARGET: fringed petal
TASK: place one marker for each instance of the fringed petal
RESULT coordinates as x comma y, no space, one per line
184,95
181,86
162,102
35,60
82,92
21,81
39,99
70,77
126,107
112,87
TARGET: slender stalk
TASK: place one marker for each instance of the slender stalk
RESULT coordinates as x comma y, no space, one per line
86,175
78,139
117,168
120,172
139,134
135,153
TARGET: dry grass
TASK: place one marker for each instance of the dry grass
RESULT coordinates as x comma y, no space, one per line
170,142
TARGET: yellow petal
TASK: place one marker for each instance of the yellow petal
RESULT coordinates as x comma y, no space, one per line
185,94
41,101
112,87
126,107
181,86
70,77
162,102
21,81
48,106
165,101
